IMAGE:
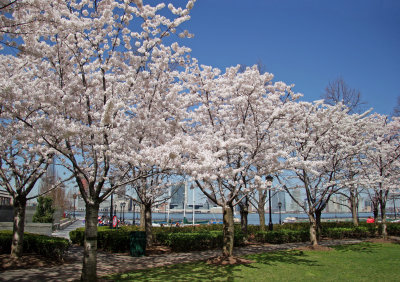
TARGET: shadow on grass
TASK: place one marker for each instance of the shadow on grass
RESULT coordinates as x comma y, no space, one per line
364,247
183,272
286,257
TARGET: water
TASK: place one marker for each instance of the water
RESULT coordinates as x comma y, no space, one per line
253,218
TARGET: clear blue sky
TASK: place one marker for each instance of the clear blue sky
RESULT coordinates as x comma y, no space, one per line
305,42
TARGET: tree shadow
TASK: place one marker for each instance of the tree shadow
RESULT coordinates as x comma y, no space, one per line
201,271
287,257
365,247
183,272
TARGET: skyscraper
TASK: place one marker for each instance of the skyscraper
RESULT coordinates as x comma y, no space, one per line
178,196
278,197
296,193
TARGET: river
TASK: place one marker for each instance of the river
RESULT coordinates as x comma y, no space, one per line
253,218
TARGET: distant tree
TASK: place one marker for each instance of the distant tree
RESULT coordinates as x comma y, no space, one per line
396,110
338,91
260,66
44,210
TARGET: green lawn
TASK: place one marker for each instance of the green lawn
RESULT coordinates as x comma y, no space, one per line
361,262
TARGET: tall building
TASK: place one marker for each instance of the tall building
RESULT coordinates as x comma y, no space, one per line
296,193
337,204
278,197
178,196
5,198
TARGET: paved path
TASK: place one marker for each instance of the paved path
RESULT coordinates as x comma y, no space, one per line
120,263
65,232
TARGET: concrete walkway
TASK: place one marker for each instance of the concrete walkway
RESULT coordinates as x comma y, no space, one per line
120,263
64,232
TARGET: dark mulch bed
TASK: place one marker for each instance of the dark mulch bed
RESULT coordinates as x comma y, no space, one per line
390,239
32,260
26,261
315,248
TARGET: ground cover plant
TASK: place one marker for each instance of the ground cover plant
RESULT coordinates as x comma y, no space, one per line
359,262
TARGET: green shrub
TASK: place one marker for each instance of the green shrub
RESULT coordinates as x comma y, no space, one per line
51,247
294,226
113,240
393,229
193,241
117,240
196,241
77,236
282,236
345,232
5,241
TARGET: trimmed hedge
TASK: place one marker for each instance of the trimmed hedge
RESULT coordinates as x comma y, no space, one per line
343,232
5,241
203,237
117,240
113,240
180,242
51,247
282,236
393,229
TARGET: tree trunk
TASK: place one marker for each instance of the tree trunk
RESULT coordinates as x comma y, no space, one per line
354,214
229,231
261,215
383,215
353,208
142,216
90,244
244,212
148,225
313,230
318,214
18,227
375,211
244,221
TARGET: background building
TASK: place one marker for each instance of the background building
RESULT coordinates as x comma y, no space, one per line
278,197
178,196
294,207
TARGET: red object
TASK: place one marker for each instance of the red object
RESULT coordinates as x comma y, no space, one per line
115,221
370,220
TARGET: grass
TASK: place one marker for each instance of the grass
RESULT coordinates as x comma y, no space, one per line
360,262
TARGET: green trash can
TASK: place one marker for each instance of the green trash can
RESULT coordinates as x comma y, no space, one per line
137,243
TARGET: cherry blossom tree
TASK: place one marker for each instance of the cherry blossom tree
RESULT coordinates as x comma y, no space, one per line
382,160
317,143
23,158
230,124
338,91
99,66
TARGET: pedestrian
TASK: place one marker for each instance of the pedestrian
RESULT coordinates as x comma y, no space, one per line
370,220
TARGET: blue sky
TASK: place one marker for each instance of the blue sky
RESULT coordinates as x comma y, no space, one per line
305,42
